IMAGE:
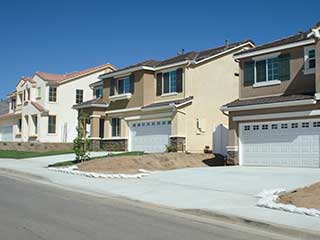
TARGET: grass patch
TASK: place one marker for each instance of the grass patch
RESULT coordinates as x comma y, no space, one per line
23,154
68,163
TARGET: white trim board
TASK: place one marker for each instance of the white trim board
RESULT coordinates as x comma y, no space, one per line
149,116
277,115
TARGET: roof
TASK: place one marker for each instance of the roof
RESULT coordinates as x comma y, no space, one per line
39,107
300,36
9,115
168,103
191,56
97,102
266,100
57,78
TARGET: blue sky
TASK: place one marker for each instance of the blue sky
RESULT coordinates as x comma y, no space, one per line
64,36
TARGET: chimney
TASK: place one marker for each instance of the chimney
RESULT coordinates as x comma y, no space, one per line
181,52
226,43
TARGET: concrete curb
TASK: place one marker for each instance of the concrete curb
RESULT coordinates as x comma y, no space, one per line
297,233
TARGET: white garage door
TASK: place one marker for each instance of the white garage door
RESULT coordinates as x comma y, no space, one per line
6,133
150,136
284,143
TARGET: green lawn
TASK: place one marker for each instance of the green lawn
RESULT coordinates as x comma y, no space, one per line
22,154
68,163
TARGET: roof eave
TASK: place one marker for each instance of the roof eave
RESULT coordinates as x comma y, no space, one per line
122,72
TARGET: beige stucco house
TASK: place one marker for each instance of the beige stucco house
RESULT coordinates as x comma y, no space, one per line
276,119
174,102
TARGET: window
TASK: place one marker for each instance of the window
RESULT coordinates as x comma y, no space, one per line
19,125
124,85
79,96
101,127
170,82
35,123
29,94
98,92
316,124
264,127
115,125
294,125
51,124
247,128
274,126
284,125
268,71
52,94
13,104
309,59
255,127
38,93
305,125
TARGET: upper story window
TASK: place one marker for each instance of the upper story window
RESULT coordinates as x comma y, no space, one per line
169,82
269,71
79,96
124,85
38,92
29,94
13,104
98,92
309,60
52,94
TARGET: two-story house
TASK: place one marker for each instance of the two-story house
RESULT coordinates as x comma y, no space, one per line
175,102
41,110
276,120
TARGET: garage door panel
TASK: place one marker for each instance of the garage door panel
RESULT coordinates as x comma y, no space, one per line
6,133
284,143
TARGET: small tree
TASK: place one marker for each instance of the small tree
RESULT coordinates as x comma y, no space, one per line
81,142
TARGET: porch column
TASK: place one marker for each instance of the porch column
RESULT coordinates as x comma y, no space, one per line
317,75
106,133
94,126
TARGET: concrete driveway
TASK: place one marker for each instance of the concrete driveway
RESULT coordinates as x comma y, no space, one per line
226,190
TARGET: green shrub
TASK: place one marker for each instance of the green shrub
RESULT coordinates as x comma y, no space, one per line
170,148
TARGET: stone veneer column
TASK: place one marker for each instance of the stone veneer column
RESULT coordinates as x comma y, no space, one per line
94,126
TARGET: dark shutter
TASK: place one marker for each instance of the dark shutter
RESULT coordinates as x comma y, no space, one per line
179,80
101,127
159,84
261,71
284,67
166,82
112,87
248,73
132,83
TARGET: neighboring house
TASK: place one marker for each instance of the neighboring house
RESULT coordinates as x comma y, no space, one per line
4,106
40,108
276,120
152,104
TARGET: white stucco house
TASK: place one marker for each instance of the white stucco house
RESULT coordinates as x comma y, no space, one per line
40,108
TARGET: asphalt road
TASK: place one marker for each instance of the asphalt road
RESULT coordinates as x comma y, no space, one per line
30,210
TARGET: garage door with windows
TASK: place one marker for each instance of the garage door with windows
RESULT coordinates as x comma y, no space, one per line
150,135
6,133
294,143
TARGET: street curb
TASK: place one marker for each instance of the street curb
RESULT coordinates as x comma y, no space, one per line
289,231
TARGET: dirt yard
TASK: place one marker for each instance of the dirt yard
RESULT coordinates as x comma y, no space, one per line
308,197
151,162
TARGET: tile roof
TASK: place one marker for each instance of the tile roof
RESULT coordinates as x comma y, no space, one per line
9,115
39,107
286,40
61,77
193,55
96,101
266,100
168,103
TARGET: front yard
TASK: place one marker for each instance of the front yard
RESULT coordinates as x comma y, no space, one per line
151,162
25,154
307,197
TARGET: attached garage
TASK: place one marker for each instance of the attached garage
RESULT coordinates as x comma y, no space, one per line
6,133
294,143
149,135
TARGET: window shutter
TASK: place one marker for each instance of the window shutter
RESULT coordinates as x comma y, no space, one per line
284,67
112,87
132,83
159,84
261,71
248,73
179,80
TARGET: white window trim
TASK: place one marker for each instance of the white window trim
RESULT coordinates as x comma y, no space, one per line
308,70
56,95
168,93
267,82
120,96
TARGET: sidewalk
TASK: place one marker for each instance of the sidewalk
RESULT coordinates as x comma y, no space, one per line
224,190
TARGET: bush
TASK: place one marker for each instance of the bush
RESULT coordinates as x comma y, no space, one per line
170,148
